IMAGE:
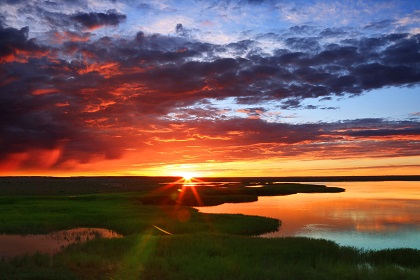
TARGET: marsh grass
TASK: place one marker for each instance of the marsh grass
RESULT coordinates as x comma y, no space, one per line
203,246
218,256
119,212
35,266
234,257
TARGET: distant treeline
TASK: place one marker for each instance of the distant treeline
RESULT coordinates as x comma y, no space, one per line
45,185
262,180
341,178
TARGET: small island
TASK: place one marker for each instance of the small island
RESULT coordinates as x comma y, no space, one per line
199,194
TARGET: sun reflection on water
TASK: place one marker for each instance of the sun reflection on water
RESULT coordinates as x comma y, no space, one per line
366,212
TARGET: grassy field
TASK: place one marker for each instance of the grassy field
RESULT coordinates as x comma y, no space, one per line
122,213
213,256
203,246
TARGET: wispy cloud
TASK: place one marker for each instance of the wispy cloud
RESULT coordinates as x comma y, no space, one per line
334,12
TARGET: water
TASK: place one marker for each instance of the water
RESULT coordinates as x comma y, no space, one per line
51,243
369,215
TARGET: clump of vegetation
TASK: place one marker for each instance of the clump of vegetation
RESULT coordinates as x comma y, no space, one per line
198,195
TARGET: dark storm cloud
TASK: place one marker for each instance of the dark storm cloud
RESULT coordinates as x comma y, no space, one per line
306,44
94,20
387,132
31,122
41,106
72,15
89,97
16,40
315,71
403,52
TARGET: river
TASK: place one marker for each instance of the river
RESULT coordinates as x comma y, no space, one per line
368,215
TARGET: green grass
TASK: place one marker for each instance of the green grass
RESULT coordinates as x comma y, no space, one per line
203,246
193,257
122,213
215,256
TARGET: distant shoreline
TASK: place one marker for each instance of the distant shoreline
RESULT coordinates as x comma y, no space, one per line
252,178
346,178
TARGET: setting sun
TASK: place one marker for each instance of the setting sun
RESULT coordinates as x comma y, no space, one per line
187,176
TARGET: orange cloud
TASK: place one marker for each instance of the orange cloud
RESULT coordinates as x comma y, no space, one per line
60,37
42,91
107,70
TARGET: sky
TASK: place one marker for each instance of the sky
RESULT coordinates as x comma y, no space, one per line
209,88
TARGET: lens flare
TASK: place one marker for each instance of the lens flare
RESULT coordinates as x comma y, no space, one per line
187,176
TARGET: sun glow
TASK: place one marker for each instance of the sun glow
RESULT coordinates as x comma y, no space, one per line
187,176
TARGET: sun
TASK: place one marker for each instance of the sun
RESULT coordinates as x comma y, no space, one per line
187,176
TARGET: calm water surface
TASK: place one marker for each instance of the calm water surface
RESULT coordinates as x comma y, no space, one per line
370,215
51,243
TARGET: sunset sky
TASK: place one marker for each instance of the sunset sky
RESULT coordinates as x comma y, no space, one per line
214,88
